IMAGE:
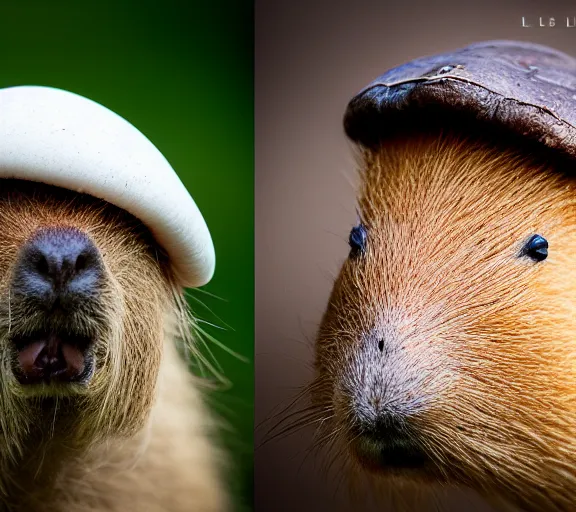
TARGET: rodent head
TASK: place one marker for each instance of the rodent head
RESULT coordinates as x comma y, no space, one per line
104,335
446,353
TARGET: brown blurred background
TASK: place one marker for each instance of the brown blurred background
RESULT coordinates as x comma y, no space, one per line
312,56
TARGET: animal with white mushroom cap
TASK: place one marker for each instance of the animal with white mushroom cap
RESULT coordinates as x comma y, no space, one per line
98,239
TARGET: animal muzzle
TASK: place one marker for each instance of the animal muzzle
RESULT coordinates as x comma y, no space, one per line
54,295
383,397
383,430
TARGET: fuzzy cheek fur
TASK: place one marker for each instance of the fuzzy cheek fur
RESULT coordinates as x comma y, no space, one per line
135,297
442,318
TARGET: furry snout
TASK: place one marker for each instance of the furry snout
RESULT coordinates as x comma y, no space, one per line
55,294
382,397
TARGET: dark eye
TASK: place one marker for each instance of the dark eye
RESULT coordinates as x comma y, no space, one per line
536,248
357,240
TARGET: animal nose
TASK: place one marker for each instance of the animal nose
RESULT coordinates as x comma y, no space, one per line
389,441
58,265
386,426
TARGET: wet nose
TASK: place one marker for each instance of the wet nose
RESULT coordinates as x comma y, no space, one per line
58,265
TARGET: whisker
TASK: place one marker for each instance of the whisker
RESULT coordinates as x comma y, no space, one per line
293,428
281,410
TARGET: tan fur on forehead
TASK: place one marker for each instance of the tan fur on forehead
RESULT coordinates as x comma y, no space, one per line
26,206
445,202
411,176
447,217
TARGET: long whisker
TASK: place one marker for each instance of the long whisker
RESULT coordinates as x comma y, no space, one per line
282,410
294,427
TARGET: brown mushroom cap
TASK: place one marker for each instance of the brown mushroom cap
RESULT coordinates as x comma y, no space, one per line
522,88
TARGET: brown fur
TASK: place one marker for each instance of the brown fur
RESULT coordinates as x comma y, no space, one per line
138,437
479,343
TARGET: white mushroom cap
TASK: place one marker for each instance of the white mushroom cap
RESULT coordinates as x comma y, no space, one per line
60,138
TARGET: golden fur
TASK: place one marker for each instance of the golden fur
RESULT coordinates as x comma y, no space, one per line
479,342
138,437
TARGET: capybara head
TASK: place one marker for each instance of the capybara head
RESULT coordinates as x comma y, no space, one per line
447,351
87,296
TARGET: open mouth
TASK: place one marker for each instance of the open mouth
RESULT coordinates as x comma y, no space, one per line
49,356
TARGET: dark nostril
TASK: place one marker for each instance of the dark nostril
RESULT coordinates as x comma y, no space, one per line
59,253
58,262
381,345
42,265
81,262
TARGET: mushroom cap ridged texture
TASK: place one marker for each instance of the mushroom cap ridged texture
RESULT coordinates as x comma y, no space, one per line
524,90
59,138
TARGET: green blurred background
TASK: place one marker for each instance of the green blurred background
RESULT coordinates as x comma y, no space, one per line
182,73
